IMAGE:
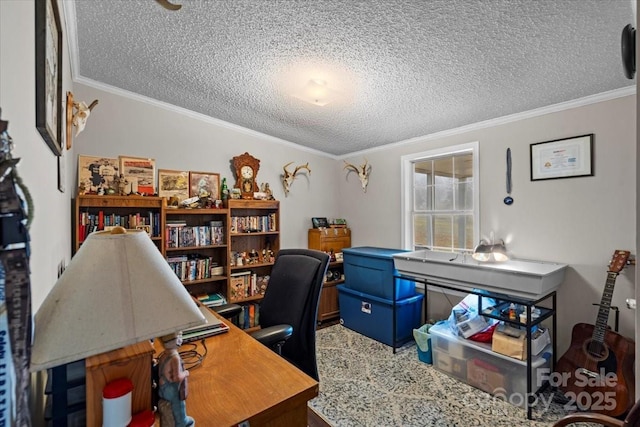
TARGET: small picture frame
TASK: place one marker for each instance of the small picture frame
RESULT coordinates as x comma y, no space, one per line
562,158
140,173
319,222
204,184
173,183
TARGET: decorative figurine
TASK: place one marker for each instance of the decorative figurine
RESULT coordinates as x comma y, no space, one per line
173,385
121,184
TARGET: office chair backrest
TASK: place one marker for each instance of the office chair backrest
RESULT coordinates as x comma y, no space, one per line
292,298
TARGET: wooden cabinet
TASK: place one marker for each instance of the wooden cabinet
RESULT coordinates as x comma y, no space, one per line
330,240
196,243
95,213
254,240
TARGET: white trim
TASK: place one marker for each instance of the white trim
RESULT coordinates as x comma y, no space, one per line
69,11
406,186
575,103
198,116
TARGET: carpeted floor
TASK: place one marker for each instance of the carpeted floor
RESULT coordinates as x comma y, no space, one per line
362,383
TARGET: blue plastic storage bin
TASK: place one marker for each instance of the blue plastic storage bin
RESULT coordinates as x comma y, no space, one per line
373,316
370,270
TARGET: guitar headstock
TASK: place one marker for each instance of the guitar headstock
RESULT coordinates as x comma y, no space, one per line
619,261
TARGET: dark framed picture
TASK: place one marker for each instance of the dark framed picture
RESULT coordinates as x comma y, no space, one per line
319,222
562,158
49,74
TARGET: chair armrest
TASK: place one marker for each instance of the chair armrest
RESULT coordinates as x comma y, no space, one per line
273,335
228,310
588,418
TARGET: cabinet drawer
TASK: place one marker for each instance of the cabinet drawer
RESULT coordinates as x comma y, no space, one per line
329,239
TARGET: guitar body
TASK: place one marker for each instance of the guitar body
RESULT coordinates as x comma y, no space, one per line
589,371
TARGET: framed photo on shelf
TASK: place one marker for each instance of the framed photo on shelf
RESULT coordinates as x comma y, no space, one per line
318,222
95,173
172,183
140,172
562,158
49,74
204,184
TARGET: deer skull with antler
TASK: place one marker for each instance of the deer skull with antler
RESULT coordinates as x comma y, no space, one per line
362,171
288,177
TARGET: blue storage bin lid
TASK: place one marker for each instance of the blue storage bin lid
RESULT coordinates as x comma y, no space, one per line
372,251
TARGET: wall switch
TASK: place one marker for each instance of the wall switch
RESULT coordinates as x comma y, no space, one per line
631,303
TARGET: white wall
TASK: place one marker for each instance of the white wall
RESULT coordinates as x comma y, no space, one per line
50,232
577,221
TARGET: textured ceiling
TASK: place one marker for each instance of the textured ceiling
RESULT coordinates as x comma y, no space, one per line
400,68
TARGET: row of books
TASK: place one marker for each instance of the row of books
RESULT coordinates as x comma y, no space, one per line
253,224
179,235
249,317
245,284
192,267
89,222
212,300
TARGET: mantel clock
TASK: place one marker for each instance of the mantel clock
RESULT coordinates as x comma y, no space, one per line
246,167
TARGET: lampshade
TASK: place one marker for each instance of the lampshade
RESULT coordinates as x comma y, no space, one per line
495,252
316,92
118,290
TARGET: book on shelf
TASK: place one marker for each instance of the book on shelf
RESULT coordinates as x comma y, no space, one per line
212,300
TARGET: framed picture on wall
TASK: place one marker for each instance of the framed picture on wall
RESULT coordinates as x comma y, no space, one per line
204,184
49,74
562,158
173,183
140,173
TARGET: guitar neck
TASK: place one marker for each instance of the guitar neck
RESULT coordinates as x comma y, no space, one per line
605,305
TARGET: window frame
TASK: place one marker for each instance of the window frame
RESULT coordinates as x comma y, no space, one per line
407,194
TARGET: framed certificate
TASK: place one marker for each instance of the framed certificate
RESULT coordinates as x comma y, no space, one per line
562,158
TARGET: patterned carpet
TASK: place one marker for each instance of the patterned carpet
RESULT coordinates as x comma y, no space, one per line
362,383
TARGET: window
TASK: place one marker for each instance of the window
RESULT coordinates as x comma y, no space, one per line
440,199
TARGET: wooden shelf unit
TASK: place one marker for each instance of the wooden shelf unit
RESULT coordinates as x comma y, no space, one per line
254,240
93,213
208,249
330,240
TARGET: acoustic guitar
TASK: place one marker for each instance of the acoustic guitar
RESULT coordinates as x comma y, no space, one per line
597,369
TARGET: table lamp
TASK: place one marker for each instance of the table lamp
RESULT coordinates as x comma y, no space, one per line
490,252
118,290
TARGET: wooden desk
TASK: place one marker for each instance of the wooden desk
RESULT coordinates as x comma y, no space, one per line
241,379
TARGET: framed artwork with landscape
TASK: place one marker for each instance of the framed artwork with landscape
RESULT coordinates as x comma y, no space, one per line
172,183
204,184
140,173
49,74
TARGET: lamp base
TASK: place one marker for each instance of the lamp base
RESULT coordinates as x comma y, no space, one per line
132,362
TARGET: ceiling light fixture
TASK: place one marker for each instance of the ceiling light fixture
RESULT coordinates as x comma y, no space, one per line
316,92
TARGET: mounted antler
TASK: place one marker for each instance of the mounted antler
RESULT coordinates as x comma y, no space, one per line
82,114
362,171
288,177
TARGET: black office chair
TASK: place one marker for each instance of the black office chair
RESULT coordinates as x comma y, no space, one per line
289,309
